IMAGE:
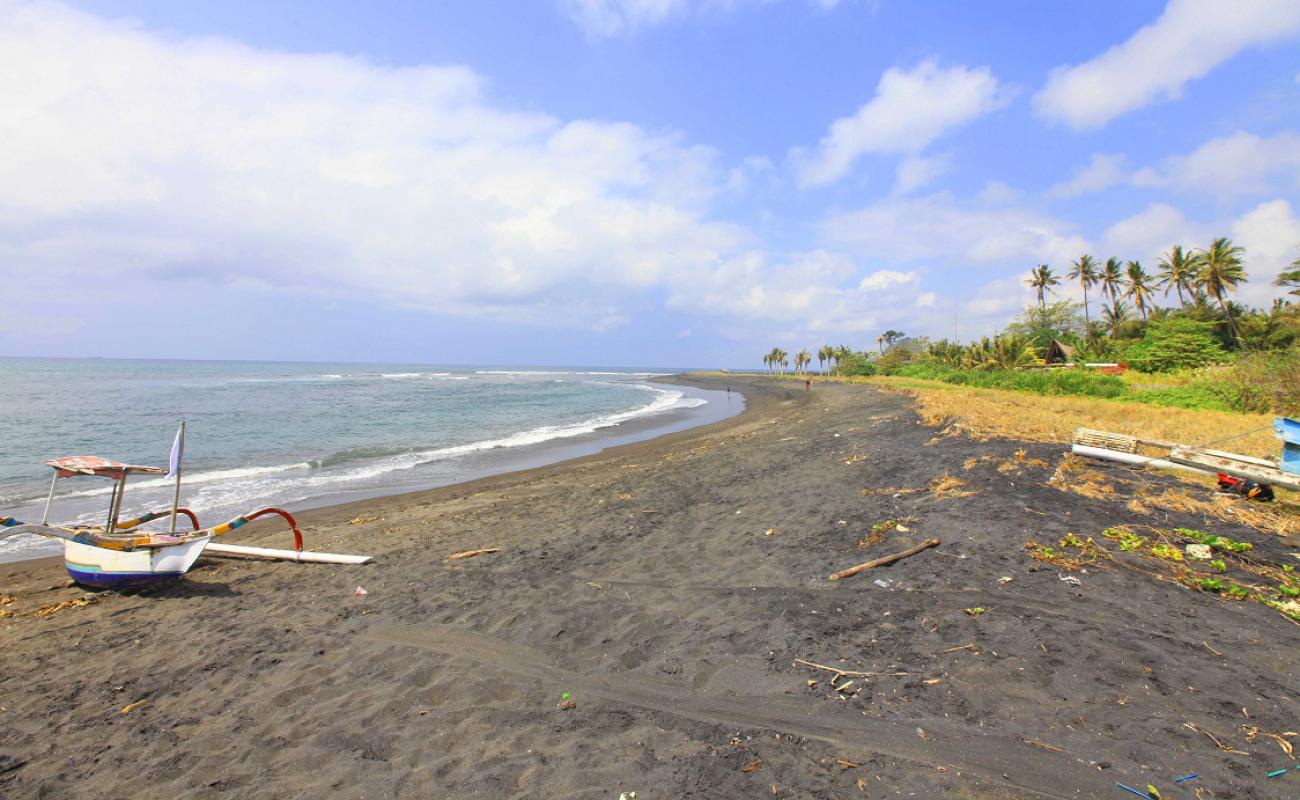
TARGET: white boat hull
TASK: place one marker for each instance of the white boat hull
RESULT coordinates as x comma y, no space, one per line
117,569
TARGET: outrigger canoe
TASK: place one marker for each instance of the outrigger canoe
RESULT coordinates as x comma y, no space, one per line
121,554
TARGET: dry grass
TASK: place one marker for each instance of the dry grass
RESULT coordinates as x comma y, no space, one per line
947,486
1279,519
983,413
891,491
1014,464
1076,475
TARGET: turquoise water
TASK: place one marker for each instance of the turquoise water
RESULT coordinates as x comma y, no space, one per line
301,434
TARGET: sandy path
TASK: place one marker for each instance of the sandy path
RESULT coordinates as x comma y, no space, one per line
644,583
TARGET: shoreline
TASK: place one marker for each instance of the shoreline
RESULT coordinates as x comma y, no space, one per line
502,461
755,402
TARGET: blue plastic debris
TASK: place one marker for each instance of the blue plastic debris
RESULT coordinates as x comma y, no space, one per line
1187,777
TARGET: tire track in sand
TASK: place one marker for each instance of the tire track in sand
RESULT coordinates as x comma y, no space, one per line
1028,769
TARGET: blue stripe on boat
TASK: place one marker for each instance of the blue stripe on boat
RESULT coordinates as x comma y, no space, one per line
93,576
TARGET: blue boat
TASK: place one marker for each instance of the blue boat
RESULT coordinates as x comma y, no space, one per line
1288,430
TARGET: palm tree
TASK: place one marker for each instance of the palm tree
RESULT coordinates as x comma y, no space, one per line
1112,278
1177,270
1085,271
802,359
774,357
1139,287
824,355
783,360
1221,270
1115,315
1290,277
841,353
1042,280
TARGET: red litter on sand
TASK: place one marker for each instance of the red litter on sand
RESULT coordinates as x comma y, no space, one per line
360,592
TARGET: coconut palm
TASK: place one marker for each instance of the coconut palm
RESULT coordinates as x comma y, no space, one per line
1041,280
1085,272
1139,287
802,359
1115,315
1177,271
1221,270
842,353
825,354
774,357
1112,278
1290,277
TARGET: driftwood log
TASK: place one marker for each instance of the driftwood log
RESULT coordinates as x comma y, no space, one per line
880,562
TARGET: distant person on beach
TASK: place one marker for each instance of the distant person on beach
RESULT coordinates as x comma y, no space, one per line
807,384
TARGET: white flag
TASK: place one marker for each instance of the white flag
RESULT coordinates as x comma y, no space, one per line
178,452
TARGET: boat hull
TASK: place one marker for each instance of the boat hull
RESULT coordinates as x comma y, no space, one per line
101,568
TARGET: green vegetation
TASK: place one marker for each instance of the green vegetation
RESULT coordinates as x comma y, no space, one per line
1207,352
1215,542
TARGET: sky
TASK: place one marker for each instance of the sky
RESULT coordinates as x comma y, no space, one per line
641,183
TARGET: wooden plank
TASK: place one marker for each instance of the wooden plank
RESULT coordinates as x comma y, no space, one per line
1235,467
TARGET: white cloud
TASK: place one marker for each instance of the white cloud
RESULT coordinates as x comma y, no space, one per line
909,111
604,19
997,193
155,159
136,165
1240,163
1149,233
916,171
1270,232
1101,172
809,292
1190,38
937,227
742,177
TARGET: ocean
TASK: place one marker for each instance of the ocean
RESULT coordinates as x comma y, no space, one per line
301,435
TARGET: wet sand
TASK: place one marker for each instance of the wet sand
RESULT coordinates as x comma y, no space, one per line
643,628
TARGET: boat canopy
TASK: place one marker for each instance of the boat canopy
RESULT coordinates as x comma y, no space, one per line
101,467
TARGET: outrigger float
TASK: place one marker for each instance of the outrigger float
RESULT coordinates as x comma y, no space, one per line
120,554
1284,473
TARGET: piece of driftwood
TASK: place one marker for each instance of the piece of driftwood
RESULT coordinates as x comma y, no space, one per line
472,553
848,672
880,562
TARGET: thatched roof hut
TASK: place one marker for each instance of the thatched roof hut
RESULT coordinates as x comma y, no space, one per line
1059,352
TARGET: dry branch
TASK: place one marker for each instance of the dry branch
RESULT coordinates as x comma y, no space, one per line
472,553
848,672
880,562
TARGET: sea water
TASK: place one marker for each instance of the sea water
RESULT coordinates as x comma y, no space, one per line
298,435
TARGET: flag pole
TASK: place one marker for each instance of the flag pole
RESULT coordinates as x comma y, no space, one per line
178,452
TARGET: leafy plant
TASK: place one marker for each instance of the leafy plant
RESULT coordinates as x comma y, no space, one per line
1238,592
976,611
1208,584
1173,343
1216,542
1168,553
1070,540
1218,566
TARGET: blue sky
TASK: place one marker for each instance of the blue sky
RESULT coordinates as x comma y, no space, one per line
620,182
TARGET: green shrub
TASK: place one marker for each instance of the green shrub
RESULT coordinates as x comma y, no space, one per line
1266,382
855,364
1173,343
1056,382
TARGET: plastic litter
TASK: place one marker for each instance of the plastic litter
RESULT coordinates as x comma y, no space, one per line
1187,777
1070,579
360,592
881,584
